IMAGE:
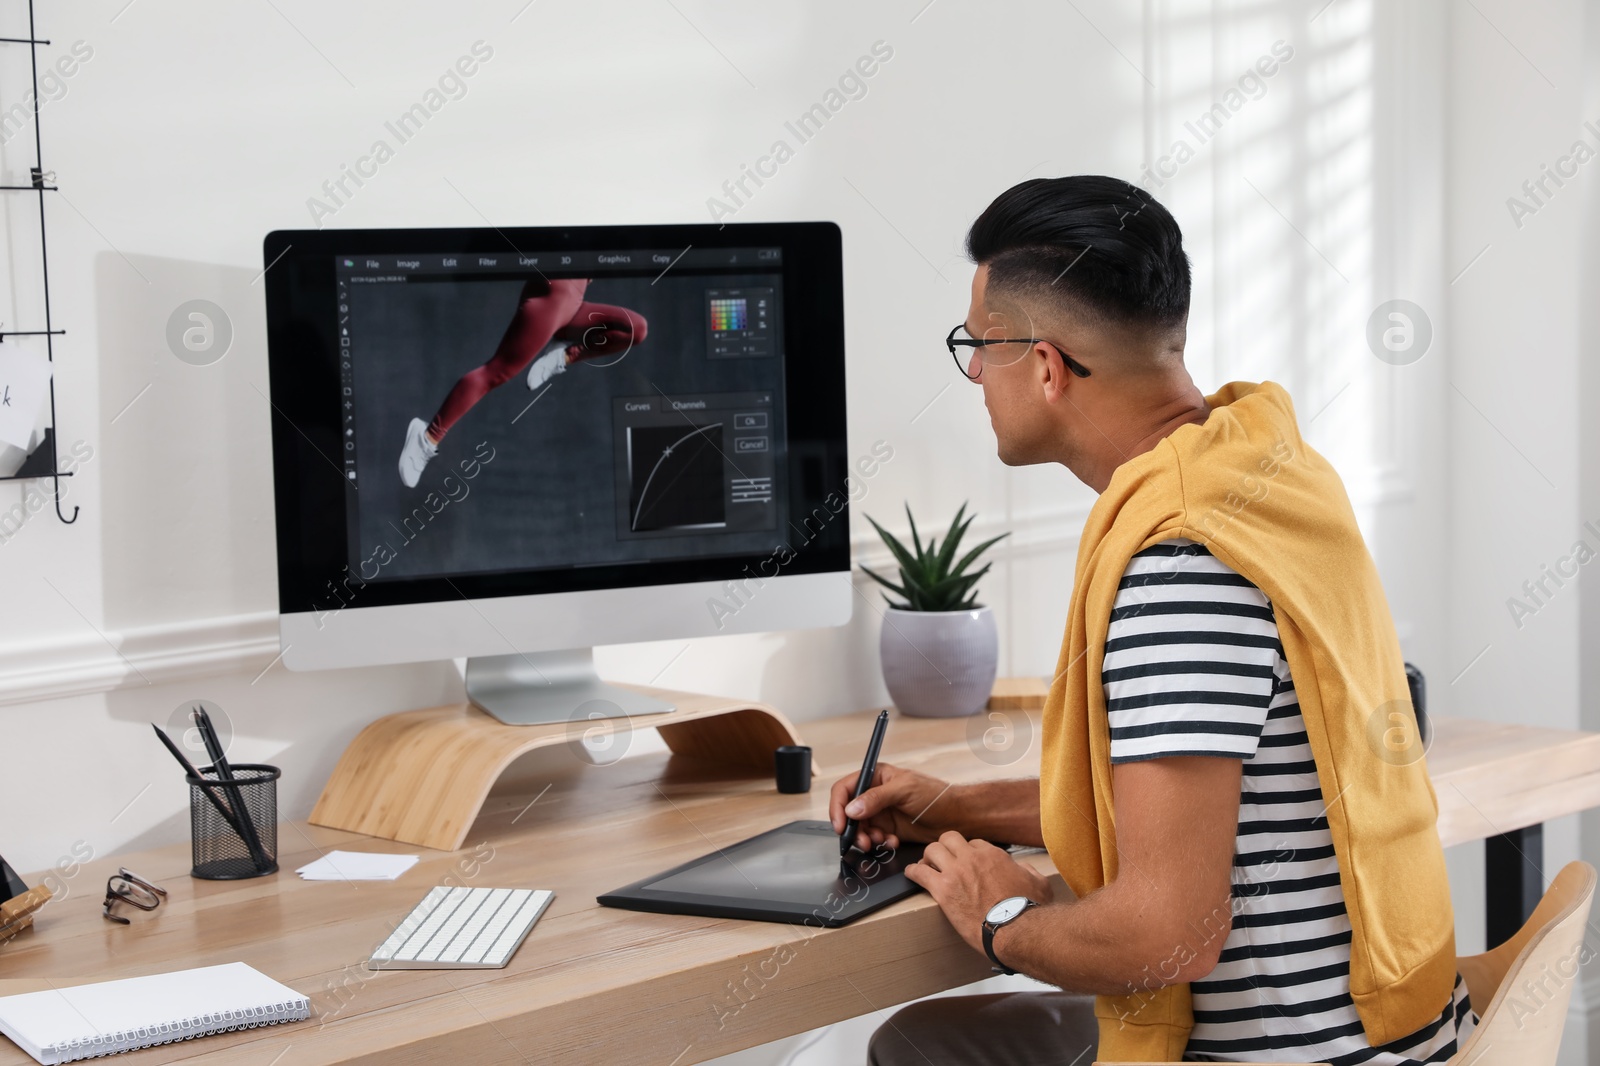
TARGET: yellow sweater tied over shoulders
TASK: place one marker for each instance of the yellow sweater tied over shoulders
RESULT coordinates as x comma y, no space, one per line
1245,484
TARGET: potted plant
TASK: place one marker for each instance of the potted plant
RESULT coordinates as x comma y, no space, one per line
940,648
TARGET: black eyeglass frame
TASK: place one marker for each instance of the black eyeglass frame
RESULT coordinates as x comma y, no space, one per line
952,341
131,894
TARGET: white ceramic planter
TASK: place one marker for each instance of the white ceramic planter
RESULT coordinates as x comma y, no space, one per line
939,664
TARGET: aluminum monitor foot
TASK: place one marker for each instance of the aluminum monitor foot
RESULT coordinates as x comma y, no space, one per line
541,688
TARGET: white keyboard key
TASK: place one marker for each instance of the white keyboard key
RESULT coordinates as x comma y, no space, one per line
409,925
519,926
507,918
481,917
429,930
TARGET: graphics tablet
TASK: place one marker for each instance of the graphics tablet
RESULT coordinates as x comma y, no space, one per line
789,874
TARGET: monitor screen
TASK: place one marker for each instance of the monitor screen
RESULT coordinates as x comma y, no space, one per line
484,413
651,431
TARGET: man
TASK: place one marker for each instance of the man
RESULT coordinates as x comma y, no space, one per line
1255,878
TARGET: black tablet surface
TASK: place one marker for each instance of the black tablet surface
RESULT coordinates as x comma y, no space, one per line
789,874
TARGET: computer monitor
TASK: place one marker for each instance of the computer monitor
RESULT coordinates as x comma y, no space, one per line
510,445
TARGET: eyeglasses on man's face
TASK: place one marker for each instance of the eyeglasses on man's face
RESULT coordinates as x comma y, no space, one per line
990,354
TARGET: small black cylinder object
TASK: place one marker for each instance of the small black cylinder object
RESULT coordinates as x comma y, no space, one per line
220,853
794,768
1419,702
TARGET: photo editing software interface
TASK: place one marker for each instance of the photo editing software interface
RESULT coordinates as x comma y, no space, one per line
527,411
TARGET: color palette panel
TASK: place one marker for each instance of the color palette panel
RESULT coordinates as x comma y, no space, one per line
729,314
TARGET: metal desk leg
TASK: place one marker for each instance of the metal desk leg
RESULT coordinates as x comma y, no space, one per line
1513,881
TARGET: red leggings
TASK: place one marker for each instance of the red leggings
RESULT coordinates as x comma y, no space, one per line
546,311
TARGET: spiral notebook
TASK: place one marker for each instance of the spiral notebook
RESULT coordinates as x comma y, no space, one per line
85,1022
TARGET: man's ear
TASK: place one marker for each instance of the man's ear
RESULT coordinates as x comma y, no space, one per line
1053,373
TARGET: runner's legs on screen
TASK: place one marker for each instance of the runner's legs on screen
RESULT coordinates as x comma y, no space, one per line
553,327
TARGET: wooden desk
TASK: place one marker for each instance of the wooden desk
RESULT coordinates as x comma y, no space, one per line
1500,783
593,984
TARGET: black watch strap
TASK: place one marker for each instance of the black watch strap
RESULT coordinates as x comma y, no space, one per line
989,930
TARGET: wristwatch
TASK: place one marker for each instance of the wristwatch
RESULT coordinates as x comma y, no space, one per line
1002,913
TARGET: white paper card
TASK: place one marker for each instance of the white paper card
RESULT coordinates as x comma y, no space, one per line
24,388
357,866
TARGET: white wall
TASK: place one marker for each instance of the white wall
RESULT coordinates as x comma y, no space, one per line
1373,166
1520,89
1589,453
177,153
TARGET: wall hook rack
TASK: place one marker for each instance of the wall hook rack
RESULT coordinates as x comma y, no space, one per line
43,462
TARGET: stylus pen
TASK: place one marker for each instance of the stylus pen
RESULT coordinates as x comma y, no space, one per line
188,768
869,768
245,826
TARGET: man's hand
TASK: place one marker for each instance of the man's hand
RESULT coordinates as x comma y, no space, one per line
898,807
967,877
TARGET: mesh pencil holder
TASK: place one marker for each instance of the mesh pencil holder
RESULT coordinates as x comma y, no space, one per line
220,852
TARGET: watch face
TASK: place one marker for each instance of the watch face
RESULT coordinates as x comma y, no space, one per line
1007,909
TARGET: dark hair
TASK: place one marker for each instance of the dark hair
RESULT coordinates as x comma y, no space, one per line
1102,245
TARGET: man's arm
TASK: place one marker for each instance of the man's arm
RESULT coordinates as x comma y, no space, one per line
1003,811
1189,677
1161,921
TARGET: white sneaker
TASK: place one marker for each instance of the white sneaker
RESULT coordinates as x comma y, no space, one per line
547,366
416,453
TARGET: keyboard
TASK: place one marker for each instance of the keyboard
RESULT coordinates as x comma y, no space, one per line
462,929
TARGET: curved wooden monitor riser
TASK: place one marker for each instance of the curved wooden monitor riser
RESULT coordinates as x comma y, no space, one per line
420,777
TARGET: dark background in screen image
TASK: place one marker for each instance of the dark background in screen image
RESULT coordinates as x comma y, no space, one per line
548,498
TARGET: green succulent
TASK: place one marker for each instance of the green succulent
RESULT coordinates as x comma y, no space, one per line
931,579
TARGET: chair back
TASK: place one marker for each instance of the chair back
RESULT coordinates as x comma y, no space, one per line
1529,979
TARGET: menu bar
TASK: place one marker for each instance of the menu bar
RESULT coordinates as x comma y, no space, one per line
586,264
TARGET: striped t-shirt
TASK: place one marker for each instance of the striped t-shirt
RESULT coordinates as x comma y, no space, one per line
1193,666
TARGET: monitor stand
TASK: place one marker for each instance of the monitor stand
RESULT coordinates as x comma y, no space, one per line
544,688
421,777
